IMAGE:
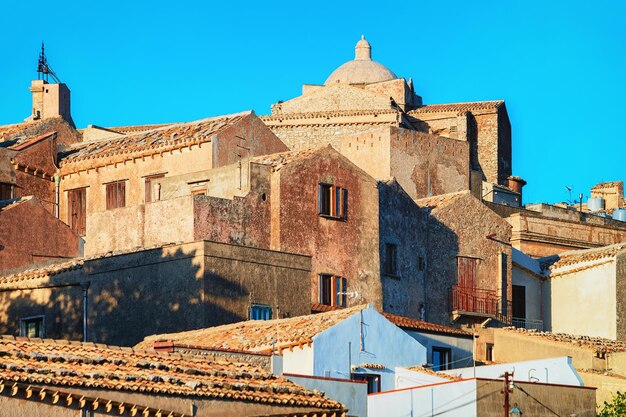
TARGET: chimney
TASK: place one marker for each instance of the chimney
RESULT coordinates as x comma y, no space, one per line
516,184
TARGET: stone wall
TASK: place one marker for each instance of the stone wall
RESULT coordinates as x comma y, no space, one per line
469,229
403,224
345,248
163,290
423,164
140,226
332,98
620,295
302,136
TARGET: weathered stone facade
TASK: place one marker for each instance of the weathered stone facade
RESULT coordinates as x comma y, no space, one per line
161,290
541,230
462,227
423,164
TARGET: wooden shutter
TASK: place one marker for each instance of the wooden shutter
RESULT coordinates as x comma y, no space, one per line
110,196
121,194
77,208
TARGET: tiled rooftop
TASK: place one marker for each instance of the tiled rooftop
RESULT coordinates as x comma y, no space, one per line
262,336
597,344
572,258
144,143
433,373
75,364
608,184
458,107
57,267
412,324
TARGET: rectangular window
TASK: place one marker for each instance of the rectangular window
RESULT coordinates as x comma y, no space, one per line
519,302
332,201
332,290
441,358
260,312
77,210
6,191
489,352
153,188
116,194
391,259
421,264
32,327
373,381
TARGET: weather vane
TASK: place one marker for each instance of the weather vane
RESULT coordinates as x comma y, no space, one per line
43,69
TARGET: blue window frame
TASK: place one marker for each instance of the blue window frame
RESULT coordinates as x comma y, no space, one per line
260,312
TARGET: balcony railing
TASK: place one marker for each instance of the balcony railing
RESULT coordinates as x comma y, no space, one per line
479,302
527,324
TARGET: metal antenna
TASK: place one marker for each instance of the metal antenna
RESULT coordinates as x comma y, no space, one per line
43,68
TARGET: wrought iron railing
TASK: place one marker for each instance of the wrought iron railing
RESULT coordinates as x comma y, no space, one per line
480,302
527,324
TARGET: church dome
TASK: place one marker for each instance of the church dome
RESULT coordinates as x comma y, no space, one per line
361,70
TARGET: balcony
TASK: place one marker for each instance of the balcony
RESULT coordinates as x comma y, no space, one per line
479,303
528,324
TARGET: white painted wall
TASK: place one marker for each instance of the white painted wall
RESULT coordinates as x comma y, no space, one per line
298,361
365,337
554,371
406,378
583,302
533,292
349,393
448,399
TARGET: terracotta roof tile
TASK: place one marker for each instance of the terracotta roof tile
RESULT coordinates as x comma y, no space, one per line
433,373
261,336
136,145
458,107
572,258
49,269
412,324
88,365
597,344
608,184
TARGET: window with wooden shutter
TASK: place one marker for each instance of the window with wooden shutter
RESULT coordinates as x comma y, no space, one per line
77,210
333,290
115,194
332,201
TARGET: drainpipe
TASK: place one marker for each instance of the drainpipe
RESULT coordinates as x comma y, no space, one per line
57,183
85,287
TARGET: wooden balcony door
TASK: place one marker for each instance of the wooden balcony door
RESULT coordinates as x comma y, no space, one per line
467,283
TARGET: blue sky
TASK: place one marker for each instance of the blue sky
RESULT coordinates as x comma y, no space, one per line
560,65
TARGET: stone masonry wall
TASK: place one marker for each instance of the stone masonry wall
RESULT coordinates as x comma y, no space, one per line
163,290
461,229
403,224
